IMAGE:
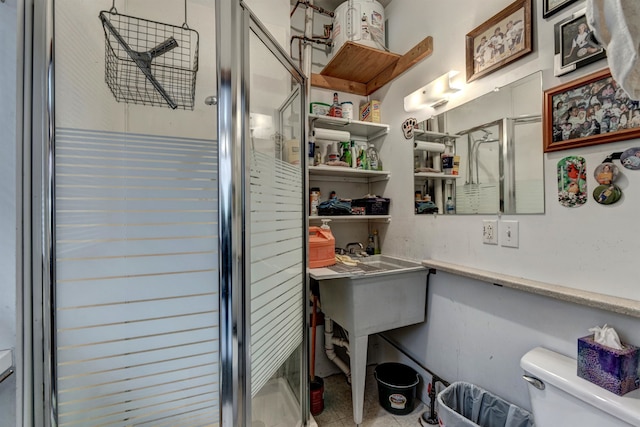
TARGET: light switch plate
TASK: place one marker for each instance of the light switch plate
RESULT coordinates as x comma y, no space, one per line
509,236
490,232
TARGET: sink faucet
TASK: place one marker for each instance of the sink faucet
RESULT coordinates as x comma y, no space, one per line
351,250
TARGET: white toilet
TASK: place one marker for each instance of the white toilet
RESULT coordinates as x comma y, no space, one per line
559,398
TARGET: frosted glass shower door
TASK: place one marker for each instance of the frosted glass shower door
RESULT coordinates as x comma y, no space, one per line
277,239
135,290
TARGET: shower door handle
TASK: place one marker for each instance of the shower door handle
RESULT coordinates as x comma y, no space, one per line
211,100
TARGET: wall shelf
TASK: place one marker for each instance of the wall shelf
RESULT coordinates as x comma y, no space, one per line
427,135
344,172
352,218
362,70
367,130
434,175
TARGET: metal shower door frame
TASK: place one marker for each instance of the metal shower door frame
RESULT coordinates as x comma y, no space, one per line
234,23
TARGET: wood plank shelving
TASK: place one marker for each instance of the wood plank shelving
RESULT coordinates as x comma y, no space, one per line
362,70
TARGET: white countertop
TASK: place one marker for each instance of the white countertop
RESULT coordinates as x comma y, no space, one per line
625,306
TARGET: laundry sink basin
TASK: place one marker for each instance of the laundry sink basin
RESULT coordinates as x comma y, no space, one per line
373,265
385,263
378,294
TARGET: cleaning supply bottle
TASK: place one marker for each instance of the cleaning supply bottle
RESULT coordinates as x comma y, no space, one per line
362,159
450,206
371,246
376,243
346,153
335,110
354,155
333,155
373,157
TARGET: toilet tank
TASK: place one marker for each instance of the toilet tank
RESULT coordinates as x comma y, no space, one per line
568,400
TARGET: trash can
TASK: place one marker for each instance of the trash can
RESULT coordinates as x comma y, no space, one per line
396,387
464,405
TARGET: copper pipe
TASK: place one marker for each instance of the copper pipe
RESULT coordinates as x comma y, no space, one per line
312,6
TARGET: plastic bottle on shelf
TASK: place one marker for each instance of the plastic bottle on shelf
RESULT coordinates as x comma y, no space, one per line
314,200
317,156
371,246
373,158
362,158
450,206
333,155
346,153
354,155
376,242
335,110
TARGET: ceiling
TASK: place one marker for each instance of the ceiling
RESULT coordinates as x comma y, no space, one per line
333,4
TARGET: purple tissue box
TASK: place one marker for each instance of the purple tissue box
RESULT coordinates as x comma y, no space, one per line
611,369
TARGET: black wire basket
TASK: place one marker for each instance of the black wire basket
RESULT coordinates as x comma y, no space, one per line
148,62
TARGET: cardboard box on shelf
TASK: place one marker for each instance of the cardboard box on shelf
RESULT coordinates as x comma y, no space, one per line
370,112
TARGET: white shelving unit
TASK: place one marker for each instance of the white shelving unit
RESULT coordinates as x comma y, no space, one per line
446,186
360,131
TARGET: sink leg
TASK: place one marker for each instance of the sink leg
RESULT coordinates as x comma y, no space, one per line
358,374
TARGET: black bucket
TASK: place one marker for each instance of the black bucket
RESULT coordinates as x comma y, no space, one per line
396,387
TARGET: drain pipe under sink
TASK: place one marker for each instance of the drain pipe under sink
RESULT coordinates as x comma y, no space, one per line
329,342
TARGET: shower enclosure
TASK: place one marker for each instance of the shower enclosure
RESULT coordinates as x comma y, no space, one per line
499,167
169,244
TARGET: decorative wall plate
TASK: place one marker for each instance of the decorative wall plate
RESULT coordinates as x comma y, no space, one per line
630,158
607,194
606,173
572,181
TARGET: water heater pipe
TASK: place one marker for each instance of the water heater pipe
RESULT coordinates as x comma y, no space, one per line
329,350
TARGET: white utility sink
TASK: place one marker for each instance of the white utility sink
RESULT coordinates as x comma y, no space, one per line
388,293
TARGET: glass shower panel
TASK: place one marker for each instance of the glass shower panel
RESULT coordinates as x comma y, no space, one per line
528,162
277,237
480,159
136,335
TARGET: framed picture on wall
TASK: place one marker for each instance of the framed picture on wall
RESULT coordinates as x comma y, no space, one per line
588,111
550,7
500,40
575,44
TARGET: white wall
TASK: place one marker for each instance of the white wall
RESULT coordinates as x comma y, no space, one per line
475,331
8,200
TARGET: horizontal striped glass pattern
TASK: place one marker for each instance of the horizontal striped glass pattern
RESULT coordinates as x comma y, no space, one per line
277,281
136,288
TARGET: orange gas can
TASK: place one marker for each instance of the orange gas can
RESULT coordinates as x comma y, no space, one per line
322,247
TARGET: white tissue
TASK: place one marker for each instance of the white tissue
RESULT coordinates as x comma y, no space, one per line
606,336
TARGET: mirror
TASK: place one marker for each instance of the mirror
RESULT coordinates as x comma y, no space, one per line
491,150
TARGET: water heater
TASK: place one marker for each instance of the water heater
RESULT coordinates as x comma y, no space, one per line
359,21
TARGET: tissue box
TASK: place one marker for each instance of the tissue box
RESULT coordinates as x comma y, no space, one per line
370,112
611,369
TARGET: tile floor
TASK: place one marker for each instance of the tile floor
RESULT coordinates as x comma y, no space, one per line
338,411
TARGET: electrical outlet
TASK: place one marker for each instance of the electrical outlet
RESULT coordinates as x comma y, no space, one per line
509,234
490,231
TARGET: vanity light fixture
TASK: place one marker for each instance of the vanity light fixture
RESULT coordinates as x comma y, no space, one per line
434,94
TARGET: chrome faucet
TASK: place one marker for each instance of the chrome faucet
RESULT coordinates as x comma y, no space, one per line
351,250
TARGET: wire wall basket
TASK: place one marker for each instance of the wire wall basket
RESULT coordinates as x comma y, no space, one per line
148,62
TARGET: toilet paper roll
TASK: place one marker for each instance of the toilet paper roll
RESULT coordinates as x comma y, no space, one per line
434,147
331,135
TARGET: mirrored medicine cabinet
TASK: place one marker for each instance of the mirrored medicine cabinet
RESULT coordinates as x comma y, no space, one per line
496,140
